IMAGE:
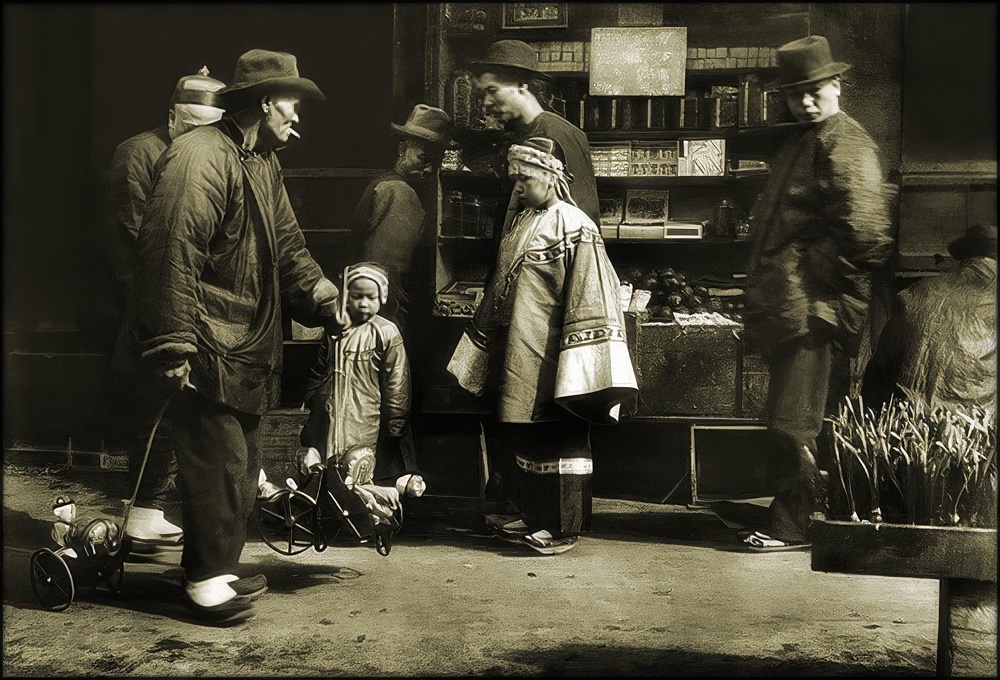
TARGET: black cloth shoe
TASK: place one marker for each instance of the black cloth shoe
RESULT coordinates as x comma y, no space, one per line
250,587
230,612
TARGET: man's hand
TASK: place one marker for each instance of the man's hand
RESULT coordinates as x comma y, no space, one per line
179,377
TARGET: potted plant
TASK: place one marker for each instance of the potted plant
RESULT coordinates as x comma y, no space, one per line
910,464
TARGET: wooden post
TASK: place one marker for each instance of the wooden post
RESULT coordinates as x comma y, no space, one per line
967,629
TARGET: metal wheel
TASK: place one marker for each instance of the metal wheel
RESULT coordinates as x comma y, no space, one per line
51,580
287,522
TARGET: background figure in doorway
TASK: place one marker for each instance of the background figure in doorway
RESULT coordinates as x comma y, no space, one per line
193,103
390,212
392,216
547,348
824,232
940,344
220,255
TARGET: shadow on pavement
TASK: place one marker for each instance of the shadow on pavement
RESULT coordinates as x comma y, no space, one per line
609,661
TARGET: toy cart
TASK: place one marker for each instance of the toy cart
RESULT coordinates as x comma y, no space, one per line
94,555
313,512
92,552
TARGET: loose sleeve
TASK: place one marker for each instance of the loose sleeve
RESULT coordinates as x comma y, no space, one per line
594,376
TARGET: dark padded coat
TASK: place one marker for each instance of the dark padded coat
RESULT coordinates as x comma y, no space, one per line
824,228
219,251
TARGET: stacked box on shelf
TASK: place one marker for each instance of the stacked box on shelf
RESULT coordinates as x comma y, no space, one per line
653,159
610,159
563,55
703,58
702,158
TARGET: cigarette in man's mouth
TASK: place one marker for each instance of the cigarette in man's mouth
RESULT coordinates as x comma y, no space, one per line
297,135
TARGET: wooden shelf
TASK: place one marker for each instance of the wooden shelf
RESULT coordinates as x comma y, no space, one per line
676,180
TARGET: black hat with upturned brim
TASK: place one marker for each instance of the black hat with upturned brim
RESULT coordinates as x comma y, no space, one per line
267,71
511,55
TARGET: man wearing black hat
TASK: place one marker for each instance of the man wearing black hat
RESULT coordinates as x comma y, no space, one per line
513,88
389,211
192,104
220,254
940,345
824,231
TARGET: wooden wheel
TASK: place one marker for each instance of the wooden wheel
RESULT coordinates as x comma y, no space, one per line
51,580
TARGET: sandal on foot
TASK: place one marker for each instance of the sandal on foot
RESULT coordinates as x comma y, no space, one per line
758,542
543,542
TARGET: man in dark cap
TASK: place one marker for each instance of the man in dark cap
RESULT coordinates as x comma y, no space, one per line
192,104
940,345
513,89
824,233
220,255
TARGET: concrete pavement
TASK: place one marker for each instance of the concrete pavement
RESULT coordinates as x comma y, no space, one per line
652,590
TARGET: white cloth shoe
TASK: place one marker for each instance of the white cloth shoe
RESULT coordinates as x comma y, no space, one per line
212,591
149,524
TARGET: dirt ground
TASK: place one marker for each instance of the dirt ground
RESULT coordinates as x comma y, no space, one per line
652,590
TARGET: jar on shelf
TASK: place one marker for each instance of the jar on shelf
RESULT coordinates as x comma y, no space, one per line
453,225
725,220
472,212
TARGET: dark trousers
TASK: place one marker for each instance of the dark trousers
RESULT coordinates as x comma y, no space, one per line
798,396
133,419
547,497
219,462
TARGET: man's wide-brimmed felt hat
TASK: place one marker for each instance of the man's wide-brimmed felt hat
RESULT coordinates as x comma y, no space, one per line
513,55
197,89
428,123
807,60
267,71
979,241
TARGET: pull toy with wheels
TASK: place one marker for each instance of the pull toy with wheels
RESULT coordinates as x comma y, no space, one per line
327,498
91,552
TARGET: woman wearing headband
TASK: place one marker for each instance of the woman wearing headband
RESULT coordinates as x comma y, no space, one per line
547,345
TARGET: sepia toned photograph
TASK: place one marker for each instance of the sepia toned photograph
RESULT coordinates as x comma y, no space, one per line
499,339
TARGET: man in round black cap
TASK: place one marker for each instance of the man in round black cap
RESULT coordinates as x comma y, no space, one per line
193,103
221,254
825,235
939,347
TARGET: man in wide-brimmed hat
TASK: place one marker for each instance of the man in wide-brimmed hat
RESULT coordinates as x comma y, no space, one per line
824,239
514,89
220,255
390,213
939,347
193,103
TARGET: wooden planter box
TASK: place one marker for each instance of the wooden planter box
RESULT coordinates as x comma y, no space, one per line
914,551
963,560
